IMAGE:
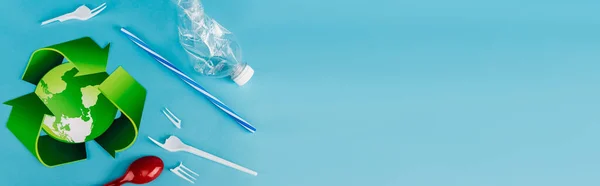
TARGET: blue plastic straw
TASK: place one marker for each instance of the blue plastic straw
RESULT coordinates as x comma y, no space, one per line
189,81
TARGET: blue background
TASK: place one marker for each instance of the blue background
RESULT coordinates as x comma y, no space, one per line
353,93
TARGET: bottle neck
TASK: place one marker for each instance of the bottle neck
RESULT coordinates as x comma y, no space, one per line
237,70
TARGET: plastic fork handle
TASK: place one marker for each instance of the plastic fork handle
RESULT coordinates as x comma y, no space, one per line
59,18
217,159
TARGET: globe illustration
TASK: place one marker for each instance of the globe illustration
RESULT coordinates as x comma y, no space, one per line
80,112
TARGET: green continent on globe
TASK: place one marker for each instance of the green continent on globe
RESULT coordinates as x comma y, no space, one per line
81,112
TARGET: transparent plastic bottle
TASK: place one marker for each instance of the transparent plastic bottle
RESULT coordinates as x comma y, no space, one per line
212,49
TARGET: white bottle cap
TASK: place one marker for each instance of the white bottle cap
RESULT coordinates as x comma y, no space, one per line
244,76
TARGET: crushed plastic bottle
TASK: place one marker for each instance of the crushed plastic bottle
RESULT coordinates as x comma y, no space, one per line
212,49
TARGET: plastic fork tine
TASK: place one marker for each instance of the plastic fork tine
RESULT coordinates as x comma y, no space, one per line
187,174
97,12
176,171
157,143
174,119
182,172
102,5
184,167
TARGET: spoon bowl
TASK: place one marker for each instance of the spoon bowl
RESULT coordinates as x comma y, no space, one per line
141,171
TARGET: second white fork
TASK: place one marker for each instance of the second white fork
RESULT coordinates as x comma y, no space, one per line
174,144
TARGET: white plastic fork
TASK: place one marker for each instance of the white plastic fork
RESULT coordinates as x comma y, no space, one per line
81,13
176,121
174,144
183,172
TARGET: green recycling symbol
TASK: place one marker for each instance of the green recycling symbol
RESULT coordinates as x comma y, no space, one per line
74,102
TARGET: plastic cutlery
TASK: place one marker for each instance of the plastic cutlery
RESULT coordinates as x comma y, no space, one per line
184,172
141,171
81,13
174,119
174,144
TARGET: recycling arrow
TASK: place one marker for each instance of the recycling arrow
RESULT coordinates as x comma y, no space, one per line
29,112
25,121
85,54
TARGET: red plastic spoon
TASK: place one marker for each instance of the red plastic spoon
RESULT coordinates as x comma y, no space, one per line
141,171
